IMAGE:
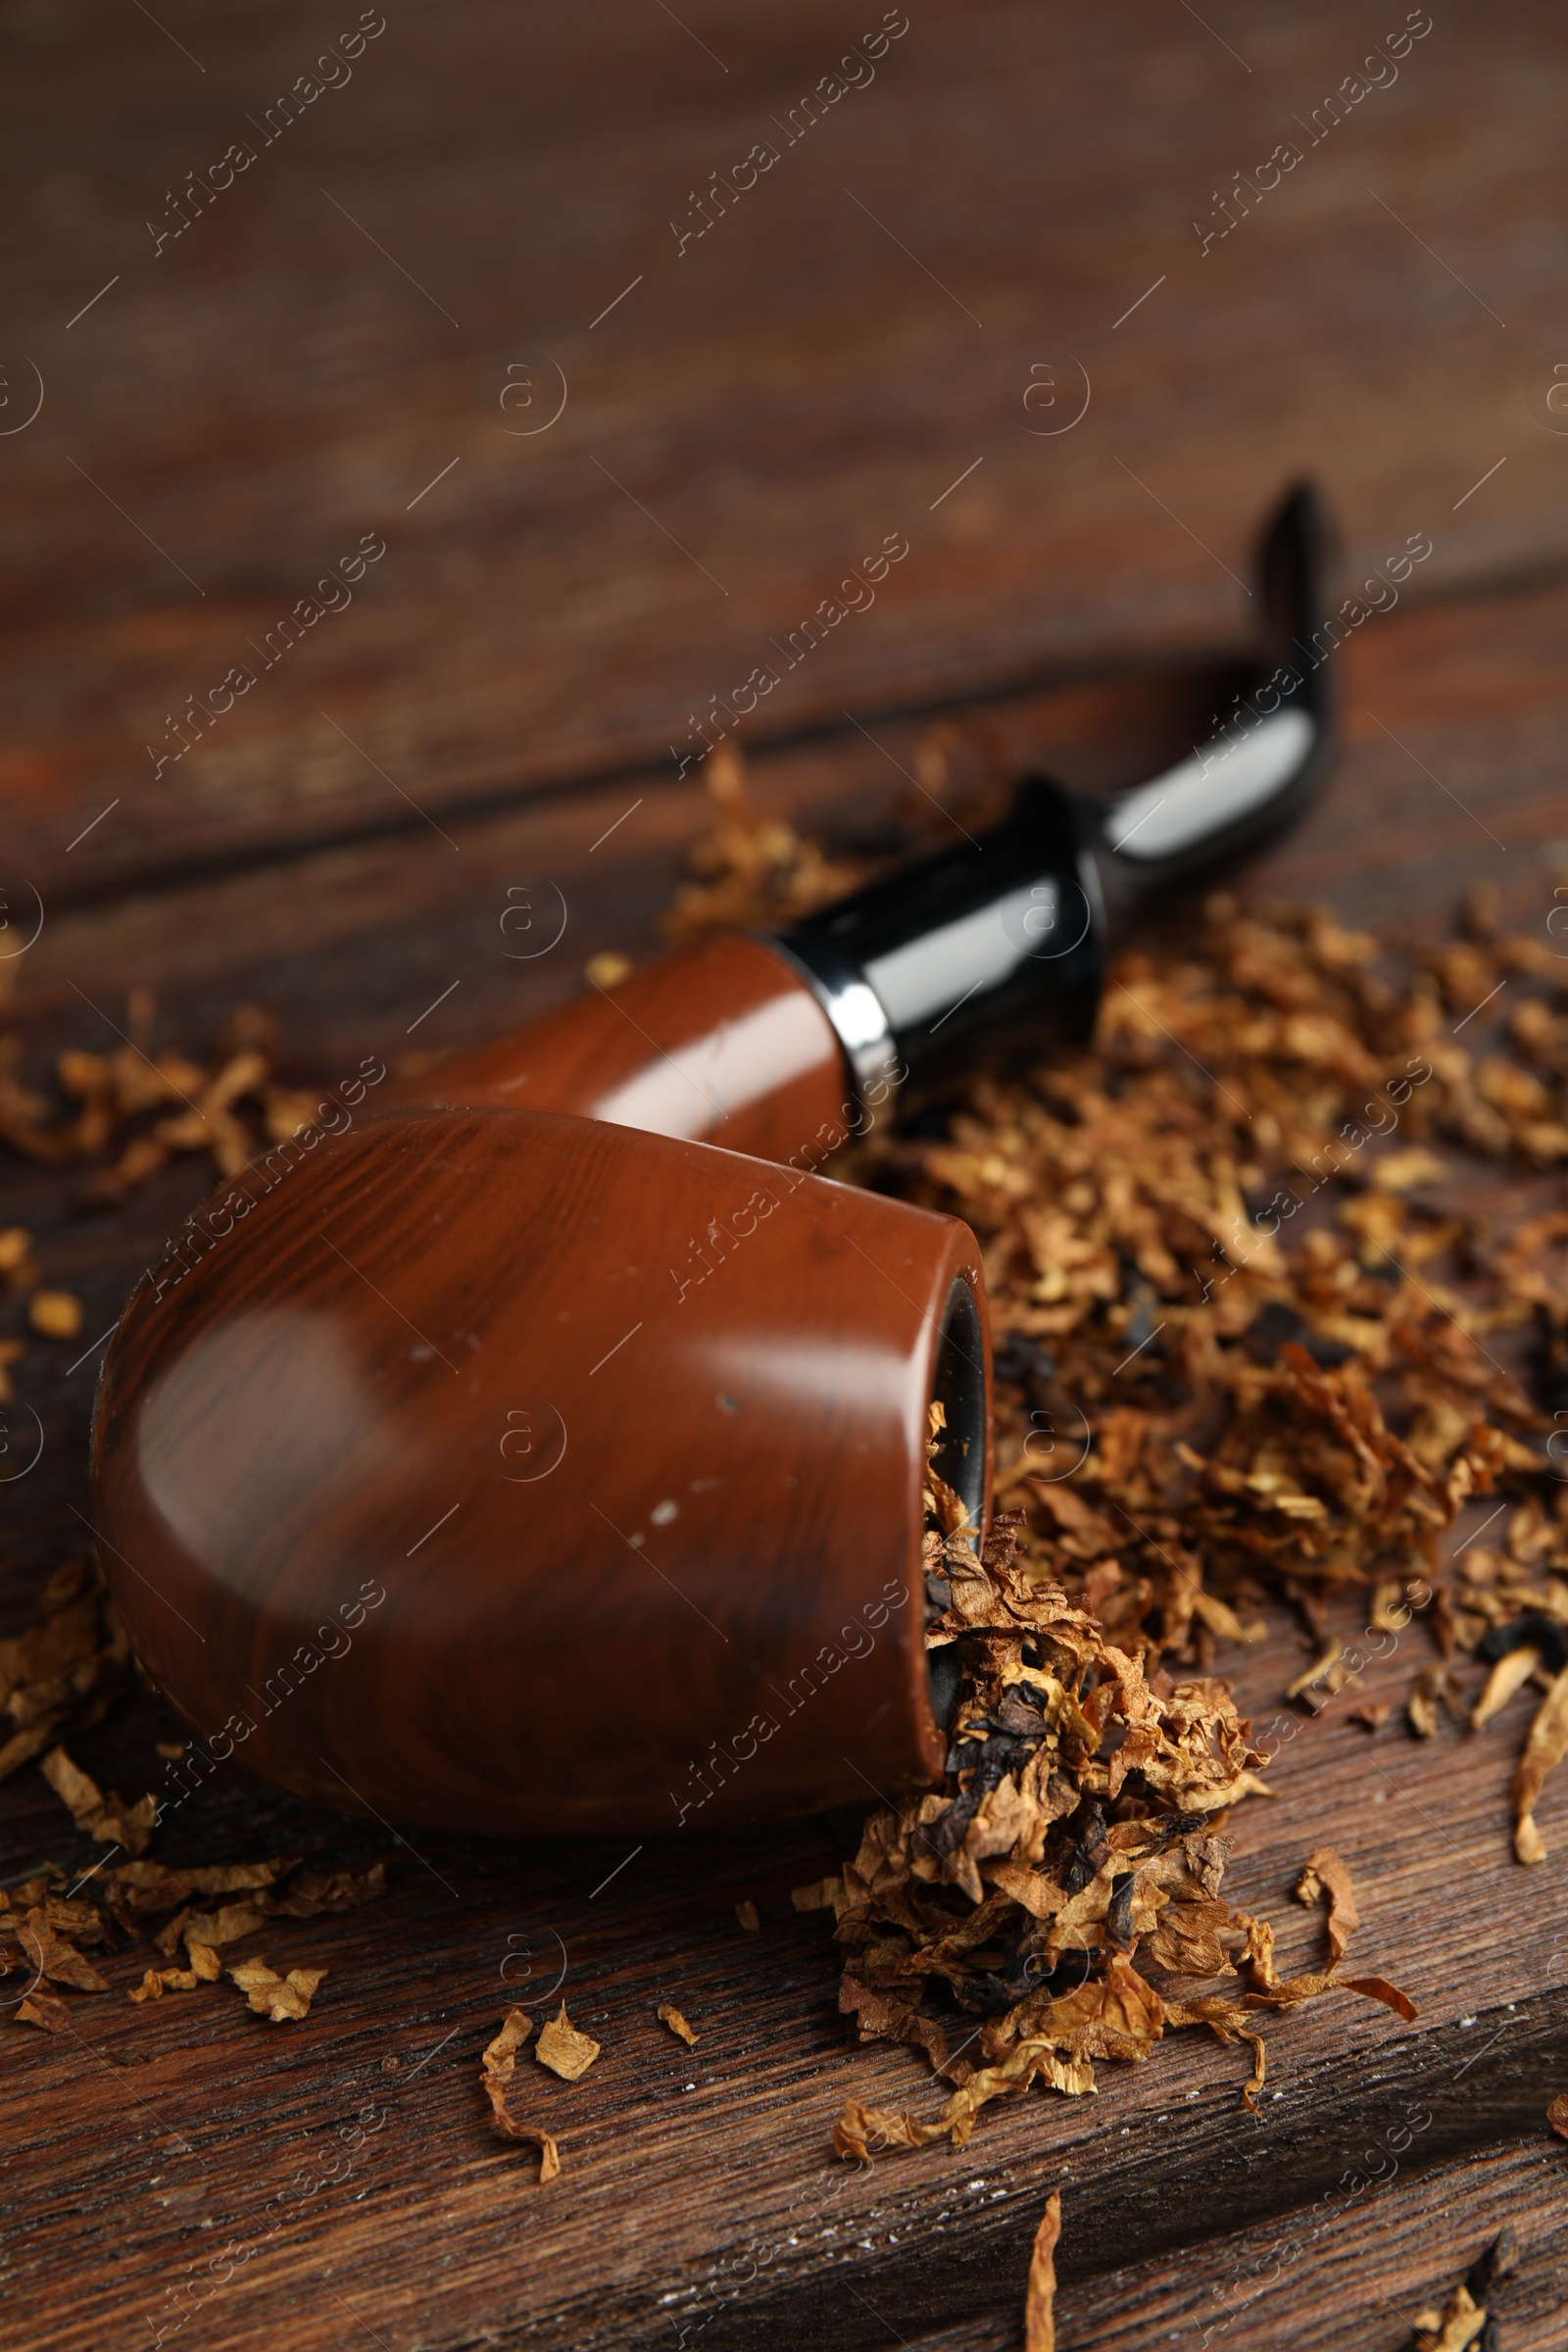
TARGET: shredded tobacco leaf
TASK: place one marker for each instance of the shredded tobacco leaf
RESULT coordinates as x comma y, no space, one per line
55,1314
751,868
668,2015
1040,2295
1429,1689
816,1896
1509,1675
227,1925
149,1109
109,1819
1325,1875
1545,1747
1457,2327
567,2052
306,1895
44,2009
277,1998
44,1928
55,1956
1378,1989
495,2070
1064,1887
203,1967
65,1671
607,970
310,1892
1465,2323
156,1982
17,1266
1250,1332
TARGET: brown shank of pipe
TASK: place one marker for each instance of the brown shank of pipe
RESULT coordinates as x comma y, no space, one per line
721,1042
511,1472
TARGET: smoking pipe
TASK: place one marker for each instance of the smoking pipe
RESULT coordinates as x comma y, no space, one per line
544,1449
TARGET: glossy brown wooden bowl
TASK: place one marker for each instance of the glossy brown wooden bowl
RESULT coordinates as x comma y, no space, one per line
507,1471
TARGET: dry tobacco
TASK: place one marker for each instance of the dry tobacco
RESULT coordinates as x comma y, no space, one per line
1063,1888
1465,2323
567,2052
1040,2295
274,1996
668,2015
495,2070
1247,1317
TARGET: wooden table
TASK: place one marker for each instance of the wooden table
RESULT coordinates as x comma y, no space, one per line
322,354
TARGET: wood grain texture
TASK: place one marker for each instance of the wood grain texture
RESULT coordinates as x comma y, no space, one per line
719,2207
270,387
723,2198
1362,2267
1356,2270
331,334
1449,768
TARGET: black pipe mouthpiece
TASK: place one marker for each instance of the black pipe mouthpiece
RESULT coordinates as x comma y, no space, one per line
1003,938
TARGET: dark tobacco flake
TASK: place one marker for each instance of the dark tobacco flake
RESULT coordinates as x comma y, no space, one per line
1465,2324
1062,1884
1532,1628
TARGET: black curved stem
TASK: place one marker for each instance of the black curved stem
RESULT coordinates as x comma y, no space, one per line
1268,750
1003,938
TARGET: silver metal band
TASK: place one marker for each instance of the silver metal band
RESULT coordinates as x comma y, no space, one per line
858,1017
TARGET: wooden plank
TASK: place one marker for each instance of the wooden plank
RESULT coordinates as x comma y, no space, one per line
227,414
1356,2269
1450,769
699,2189
718,2209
